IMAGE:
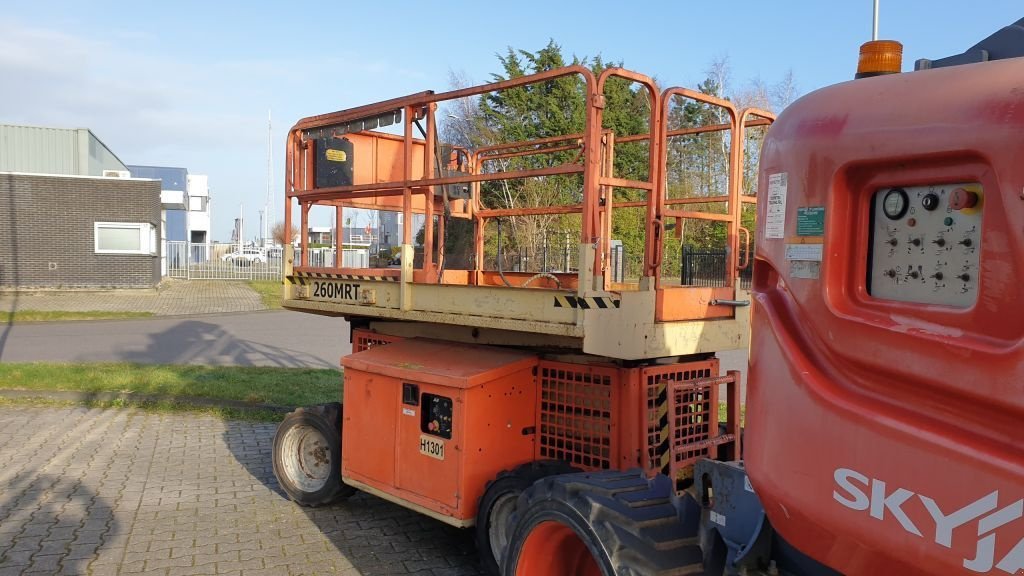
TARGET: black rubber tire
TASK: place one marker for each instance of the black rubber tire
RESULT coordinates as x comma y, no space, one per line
325,419
629,524
509,483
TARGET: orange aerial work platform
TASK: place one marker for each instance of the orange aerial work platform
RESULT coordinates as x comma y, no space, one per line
349,159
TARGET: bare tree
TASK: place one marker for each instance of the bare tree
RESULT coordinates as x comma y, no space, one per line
281,237
785,91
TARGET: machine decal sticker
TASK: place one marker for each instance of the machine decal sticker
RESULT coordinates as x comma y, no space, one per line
922,516
809,252
431,446
775,225
805,269
336,155
408,412
810,221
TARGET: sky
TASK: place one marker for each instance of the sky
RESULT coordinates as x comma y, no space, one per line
189,84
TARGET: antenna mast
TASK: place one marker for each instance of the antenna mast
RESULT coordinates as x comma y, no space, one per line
268,214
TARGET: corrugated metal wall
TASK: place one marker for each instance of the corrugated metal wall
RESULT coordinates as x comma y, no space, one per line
61,151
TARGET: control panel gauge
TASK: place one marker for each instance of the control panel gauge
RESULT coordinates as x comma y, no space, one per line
895,203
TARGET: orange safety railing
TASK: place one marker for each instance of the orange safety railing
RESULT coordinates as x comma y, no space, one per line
409,175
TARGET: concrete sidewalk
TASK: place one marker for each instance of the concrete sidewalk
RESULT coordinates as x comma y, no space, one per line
88,491
173,297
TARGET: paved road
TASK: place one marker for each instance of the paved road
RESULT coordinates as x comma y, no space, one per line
278,338
88,491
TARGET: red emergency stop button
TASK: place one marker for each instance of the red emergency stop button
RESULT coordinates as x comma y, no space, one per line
963,199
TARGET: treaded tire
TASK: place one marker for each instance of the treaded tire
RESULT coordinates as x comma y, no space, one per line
508,484
307,455
629,525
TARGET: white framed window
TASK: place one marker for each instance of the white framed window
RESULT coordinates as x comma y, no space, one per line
125,238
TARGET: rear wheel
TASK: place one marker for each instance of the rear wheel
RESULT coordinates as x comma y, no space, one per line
498,503
307,455
600,524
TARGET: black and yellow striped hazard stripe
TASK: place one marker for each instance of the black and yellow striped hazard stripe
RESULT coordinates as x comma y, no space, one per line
586,303
662,456
307,277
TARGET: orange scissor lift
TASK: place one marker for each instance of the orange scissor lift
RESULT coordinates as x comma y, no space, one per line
465,386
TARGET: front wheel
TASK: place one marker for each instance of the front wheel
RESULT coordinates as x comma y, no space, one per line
601,524
307,455
498,503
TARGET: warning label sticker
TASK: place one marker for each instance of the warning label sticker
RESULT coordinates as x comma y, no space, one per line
775,224
810,221
336,155
805,269
810,252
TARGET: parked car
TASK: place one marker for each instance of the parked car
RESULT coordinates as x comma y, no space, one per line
246,257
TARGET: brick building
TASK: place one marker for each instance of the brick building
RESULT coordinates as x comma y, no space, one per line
70,217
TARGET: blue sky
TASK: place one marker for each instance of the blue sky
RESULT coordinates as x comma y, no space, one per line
189,83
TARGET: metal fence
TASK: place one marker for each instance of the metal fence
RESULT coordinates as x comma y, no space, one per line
222,262
709,267
234,262
554,254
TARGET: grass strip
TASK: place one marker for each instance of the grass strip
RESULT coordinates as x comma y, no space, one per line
269,291
257,385
19,316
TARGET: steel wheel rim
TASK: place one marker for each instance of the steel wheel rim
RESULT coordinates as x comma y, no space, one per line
554,549
306,458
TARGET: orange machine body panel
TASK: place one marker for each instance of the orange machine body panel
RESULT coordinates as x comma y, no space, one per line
885,436
472,415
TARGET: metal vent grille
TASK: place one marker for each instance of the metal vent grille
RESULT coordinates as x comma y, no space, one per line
678,430
366,339
575,414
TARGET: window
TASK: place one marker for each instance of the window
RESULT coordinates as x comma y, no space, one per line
197,203
125,238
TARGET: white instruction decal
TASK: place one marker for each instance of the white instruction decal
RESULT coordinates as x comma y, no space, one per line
775,225
810,252
718,518
804,269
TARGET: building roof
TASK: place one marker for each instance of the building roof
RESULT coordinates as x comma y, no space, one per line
61,151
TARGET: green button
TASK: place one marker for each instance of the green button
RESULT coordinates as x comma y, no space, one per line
948,221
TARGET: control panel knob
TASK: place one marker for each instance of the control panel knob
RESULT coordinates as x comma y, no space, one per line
966,242
890,273
963,199
965,277
940,242
930,202
937,275
916,241
893,242
914,274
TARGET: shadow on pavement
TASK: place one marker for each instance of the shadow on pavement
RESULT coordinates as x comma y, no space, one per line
198,342
372,534
52,524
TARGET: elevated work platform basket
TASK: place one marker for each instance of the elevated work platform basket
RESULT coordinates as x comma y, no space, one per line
604,295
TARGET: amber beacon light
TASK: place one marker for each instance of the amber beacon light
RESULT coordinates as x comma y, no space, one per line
879,57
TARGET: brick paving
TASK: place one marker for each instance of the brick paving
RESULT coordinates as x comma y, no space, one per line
174,297
86,491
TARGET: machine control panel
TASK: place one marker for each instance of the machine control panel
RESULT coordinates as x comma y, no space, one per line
436,416
926,244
